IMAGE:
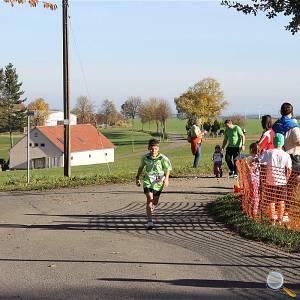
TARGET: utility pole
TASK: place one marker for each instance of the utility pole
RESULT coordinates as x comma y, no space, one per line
66,85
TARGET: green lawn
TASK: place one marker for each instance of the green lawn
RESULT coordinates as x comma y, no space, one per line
5,144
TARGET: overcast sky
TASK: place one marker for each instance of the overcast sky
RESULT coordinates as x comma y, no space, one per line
154,48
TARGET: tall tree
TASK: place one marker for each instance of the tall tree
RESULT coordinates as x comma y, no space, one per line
41,111
204,100
163,112
130,108
12,109
84,110
109,111
271,8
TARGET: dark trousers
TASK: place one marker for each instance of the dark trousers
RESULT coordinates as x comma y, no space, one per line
230,156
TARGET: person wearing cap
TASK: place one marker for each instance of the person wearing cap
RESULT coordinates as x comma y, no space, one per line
277,172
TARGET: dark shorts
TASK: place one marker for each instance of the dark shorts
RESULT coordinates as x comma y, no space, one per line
154,192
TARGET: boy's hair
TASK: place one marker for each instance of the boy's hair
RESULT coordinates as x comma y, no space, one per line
254,147
217,147
153,142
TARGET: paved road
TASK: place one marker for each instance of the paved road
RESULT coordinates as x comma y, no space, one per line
91,243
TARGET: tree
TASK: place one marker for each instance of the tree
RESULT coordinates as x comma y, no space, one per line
237,119
84,110
215,127
130,108
271,8
41,111
12,109
204,100
110,113
163,113
33,3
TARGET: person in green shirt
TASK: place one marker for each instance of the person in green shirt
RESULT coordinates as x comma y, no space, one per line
156,168
234,138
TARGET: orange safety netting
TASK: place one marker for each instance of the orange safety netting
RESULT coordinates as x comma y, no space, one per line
270,194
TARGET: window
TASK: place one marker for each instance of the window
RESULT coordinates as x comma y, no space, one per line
36,144
90,155
30,144
105,153
36,134
71,157
42,145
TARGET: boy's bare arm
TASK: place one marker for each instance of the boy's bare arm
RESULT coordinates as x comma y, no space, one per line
166,180
138,174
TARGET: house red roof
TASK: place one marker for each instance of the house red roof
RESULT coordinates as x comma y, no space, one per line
84,137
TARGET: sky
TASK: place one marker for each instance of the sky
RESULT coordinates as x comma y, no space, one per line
153,49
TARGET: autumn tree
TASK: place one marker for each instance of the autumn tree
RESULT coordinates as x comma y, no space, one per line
41,111
110,113
204,100
130,108
12,109
84,110
271,8
163,113
145,114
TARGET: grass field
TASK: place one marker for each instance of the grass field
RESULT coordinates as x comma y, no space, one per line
252,126
130,146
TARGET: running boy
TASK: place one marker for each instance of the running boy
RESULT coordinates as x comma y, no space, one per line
156,168
217,160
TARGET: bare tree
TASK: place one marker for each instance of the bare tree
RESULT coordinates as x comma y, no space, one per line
110,113
130,108
163,113
84,110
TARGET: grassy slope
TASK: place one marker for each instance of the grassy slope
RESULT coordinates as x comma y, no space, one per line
229,210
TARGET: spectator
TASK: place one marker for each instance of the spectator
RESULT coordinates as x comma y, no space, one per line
266,140
252,166
195,138
235,139
217,161
277,172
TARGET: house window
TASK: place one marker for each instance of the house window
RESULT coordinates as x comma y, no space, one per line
105,153
36,144
35,134
71,157
42,145
30,144
90,155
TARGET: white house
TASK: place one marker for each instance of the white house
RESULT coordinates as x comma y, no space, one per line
57,118
88,146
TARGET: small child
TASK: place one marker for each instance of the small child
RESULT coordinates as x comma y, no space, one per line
156,168
217,159
253,175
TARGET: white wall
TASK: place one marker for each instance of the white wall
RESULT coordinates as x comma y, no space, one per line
18,154
97,157
54,117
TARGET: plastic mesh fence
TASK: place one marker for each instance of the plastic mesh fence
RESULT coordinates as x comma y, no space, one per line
270,194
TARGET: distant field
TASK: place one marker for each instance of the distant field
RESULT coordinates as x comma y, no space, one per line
174,125
5,144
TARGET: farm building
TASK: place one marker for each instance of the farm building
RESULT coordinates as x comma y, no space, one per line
88,146
57,118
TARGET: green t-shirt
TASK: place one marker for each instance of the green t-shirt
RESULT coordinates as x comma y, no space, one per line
154,170
234,136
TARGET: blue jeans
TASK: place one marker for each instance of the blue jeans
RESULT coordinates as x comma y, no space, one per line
197,156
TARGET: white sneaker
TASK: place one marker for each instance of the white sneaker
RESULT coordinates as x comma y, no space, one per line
150,225
235,176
